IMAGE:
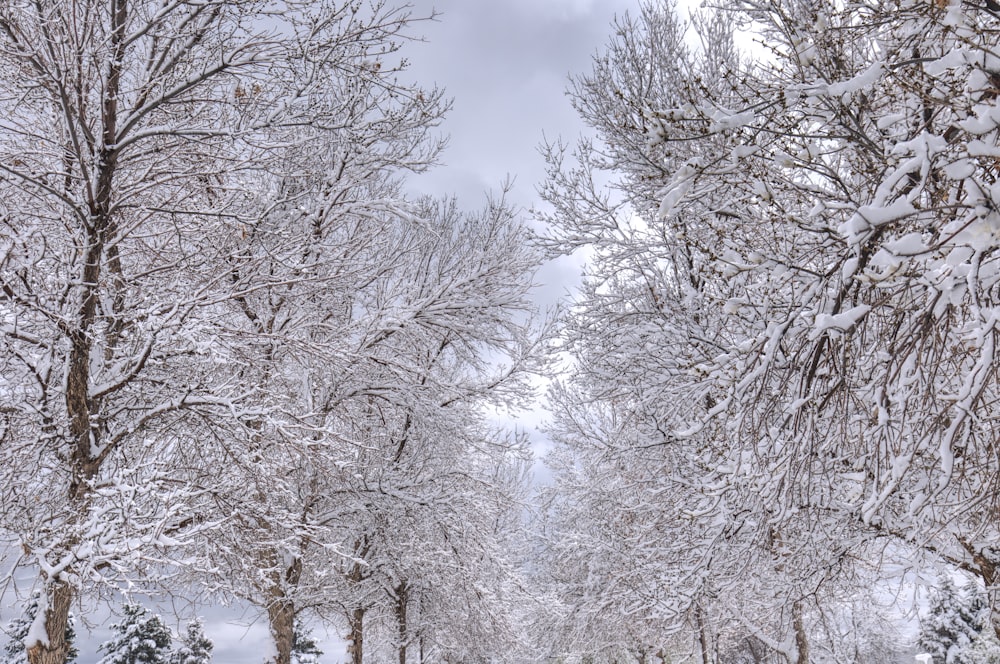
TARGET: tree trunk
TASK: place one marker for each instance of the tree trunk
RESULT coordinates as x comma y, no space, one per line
703,636
356,617
56,619
801,639
86,456
356,646
402,599
281,612
281,620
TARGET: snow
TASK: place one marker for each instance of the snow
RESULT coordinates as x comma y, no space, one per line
36,632
959,255
728,120
869,217
744,151
960,169
674,193
887,121
957,57
797,404
841,322
911,244
849,269
955,16
733,305
982,149
865,79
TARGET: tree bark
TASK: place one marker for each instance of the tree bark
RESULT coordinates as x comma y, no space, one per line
281,613
60,597
281,620
356,646
402,599
703,636
801,638
86,456
356,617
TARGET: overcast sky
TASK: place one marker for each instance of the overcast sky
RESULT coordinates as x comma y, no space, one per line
506,65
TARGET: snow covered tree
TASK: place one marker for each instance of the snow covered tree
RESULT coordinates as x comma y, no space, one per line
634,511
196,647
954,625
985,649
152,154
440,578
380,421
365,338
304,648
854,276
140,638
17,632
784,356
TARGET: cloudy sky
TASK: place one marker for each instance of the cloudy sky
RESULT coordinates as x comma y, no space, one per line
506,64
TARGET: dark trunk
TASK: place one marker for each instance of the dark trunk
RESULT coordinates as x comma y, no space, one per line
56,619
86,454
402,599
356,637
704,640
801,639
281,621
356,617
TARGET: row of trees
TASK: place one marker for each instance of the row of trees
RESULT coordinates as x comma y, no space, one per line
783,362
240,364
237,362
